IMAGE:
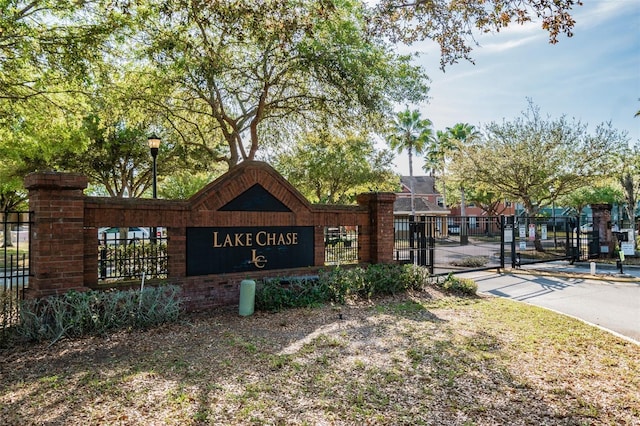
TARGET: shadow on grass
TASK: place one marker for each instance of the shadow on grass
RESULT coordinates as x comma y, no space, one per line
396,361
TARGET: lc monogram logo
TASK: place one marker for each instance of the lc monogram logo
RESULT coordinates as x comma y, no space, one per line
259,261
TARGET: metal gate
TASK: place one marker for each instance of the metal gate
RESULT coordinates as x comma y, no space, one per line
466,243
15,241
414,242
530,240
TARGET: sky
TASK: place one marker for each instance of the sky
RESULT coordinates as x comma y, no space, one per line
593,76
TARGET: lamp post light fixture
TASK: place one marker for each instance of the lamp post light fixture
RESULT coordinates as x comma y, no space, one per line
154,145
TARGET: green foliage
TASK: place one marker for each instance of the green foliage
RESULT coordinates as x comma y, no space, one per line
471,261
453,24
77,314
409,132
276,294
133,259
582,197
8,311
333,168
457,285
522,159
182,184
235,71
339,285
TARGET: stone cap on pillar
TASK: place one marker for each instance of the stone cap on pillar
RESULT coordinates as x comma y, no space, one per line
55,180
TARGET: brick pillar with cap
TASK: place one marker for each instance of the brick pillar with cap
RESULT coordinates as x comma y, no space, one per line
56,201
381,229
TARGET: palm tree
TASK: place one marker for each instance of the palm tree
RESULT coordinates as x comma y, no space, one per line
443,145
458,135
411,133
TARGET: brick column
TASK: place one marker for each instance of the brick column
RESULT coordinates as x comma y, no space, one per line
602,224
57,237
381,233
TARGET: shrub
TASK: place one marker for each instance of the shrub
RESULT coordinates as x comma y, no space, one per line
461,286
132,260
414,277
275,294
75,314
471,261
339,285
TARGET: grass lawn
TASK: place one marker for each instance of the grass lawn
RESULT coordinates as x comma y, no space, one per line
20,258
421,358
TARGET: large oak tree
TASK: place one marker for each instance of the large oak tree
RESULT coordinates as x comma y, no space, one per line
247,67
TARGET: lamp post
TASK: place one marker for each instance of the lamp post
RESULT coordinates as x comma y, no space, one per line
553,215
154,144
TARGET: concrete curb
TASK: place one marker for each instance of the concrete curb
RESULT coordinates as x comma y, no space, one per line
572,274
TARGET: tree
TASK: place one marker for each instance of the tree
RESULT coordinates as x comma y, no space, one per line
333,168
443,146
526,157
245,67
12,197
409,132
586,195
452,23
117,158
629,178
47,49
181,185
459,135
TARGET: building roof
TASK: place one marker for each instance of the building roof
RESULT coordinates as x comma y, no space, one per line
422,185
422,205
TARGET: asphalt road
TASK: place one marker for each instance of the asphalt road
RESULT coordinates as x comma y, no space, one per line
603,300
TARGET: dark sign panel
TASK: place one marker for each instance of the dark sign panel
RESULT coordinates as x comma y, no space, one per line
222,250
255,199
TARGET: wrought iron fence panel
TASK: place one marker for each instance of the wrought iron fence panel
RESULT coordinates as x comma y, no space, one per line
543,239
132,258
15,239
341,245
468,243
413,240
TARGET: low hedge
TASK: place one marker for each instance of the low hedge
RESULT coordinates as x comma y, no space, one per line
341,284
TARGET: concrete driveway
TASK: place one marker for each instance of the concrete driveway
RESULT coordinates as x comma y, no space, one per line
605,300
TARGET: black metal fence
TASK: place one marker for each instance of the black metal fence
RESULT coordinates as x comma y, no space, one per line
340,245
466,243
531,240
14,264
413,240
131,254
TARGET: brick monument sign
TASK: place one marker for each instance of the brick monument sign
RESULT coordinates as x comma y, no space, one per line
249,223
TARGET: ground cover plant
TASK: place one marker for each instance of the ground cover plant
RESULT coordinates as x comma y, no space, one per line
416,357
76,314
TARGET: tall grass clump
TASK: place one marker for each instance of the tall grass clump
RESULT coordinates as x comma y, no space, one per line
75,314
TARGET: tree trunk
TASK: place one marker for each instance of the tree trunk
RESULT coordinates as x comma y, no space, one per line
413,206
